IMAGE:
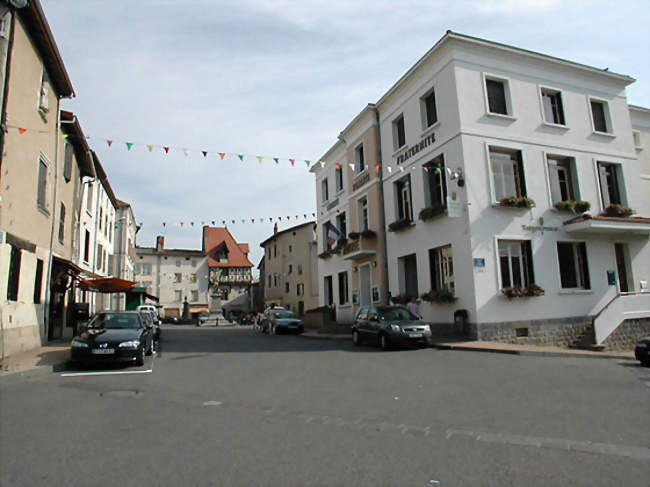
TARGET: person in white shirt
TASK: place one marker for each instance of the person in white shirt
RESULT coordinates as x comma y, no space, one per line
413,307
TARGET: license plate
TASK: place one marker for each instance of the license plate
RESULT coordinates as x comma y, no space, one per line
415,335
102,351
292,326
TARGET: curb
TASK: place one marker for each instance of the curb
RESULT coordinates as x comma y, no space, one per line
529,353
326,337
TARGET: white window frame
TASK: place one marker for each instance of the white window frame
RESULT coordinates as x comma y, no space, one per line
574,175
42,158
337,171
514,147
360,213
542,88
621,182
497,257
636,137
397,148
423,110
573,290
507,88
325,190
608,116
446,254
407,203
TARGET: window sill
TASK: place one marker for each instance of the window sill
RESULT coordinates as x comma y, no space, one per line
339,192
604,134
430,129
574,291
555,125
44,211
399,149
501,115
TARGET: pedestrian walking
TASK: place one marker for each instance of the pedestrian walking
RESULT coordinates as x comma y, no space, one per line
413,307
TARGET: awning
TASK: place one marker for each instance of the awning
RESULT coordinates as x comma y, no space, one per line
68,264
106,285
143,290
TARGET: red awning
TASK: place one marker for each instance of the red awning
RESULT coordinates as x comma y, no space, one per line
106,285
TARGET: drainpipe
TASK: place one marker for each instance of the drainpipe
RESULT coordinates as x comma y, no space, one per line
382,207
5,86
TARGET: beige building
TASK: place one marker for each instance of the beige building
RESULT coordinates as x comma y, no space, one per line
352,255
290,268
34,80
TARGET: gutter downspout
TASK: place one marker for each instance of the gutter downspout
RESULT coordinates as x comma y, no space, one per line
5,89
383,208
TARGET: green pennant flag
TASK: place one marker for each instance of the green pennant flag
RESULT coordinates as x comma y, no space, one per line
241,157
277,160
129,145
307,162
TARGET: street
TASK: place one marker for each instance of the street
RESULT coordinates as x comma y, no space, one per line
232,407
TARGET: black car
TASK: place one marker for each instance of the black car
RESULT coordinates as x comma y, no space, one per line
390,326
155,321
122,336
642,351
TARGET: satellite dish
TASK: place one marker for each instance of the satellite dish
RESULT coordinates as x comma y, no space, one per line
18,3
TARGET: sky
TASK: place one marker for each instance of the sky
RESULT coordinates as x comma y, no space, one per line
279,78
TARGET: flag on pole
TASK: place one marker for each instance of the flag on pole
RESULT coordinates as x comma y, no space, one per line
333,234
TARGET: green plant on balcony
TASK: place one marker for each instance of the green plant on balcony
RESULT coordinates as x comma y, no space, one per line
439,296
354,235
572,206
523,291
618,210
517,202
369,234
431,211
398,225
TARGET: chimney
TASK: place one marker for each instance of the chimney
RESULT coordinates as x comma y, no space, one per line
275,228
160,243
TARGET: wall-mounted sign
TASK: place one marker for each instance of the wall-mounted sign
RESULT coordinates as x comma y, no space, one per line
408,153
479,264
363,179
333,204
611,278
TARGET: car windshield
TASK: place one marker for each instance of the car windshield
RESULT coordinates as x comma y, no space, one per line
386,314
111,321
285,313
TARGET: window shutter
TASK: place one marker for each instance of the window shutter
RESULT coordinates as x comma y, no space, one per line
554,181
604,190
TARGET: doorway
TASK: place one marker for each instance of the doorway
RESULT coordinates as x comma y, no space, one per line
623,268
364,285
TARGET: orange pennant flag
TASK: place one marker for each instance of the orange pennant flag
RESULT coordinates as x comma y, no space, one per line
222,155
22,131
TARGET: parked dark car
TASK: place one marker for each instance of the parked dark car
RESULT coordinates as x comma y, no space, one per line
155,321
282,320
642,351
114,336
390,326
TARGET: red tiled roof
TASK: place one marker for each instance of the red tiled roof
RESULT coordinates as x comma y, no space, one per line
244,248
216,237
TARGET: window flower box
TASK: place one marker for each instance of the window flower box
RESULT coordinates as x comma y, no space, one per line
618,210
369,234
523,291
517,202
398,225
439,296
431,212
572,206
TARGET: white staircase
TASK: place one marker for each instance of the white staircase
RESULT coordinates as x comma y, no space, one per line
625,306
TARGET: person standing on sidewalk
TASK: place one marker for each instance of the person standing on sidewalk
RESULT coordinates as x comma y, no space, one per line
413,307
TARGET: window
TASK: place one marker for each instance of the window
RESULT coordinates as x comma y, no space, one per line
193,277
178,277
560,173
178,263
497,96
286,287
146,284
328,295
359,159
38,281
403,193
341,224
516,263
290,248
14,274
507,173
269,281
275,280
600,116
574,271
194,295
428,109
299,270
636,136
62,223
408,275
325,192
89,201
178,295
399,135
343,287
362,205
435,183
101,217
552,106
67,162
610,189
42,185
87,247
300,289
99,256
146,269
441,265
275,250
290,269
338,177
110,231
327,243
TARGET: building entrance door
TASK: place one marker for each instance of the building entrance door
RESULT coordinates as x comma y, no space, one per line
623,267
364,285
55,329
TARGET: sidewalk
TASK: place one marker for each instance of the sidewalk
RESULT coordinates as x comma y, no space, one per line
496,347
41,360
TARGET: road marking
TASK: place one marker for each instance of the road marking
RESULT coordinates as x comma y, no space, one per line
113,372
212,403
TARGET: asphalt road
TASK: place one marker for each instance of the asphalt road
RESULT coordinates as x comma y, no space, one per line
229,407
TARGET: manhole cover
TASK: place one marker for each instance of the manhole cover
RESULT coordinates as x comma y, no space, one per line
121,394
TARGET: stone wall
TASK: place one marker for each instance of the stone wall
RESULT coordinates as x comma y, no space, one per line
627,334
562,332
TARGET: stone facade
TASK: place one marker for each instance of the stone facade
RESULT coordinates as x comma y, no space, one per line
627,334
561,332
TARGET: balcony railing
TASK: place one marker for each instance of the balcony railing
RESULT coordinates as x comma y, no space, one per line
359,248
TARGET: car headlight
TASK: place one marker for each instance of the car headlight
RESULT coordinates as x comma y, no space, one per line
78,344
130,344
396,328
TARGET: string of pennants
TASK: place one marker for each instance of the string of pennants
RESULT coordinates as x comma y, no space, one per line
112,143
198,224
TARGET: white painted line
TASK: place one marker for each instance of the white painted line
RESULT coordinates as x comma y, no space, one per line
113,372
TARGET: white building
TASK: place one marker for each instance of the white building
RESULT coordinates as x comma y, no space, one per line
125,230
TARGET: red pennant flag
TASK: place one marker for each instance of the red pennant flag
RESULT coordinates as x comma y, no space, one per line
205,153
377,167
339,165
22,131
292,161
109,142
167,152
222,155
181,224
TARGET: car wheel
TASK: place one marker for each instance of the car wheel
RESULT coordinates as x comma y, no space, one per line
356,338
140,360
384,343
